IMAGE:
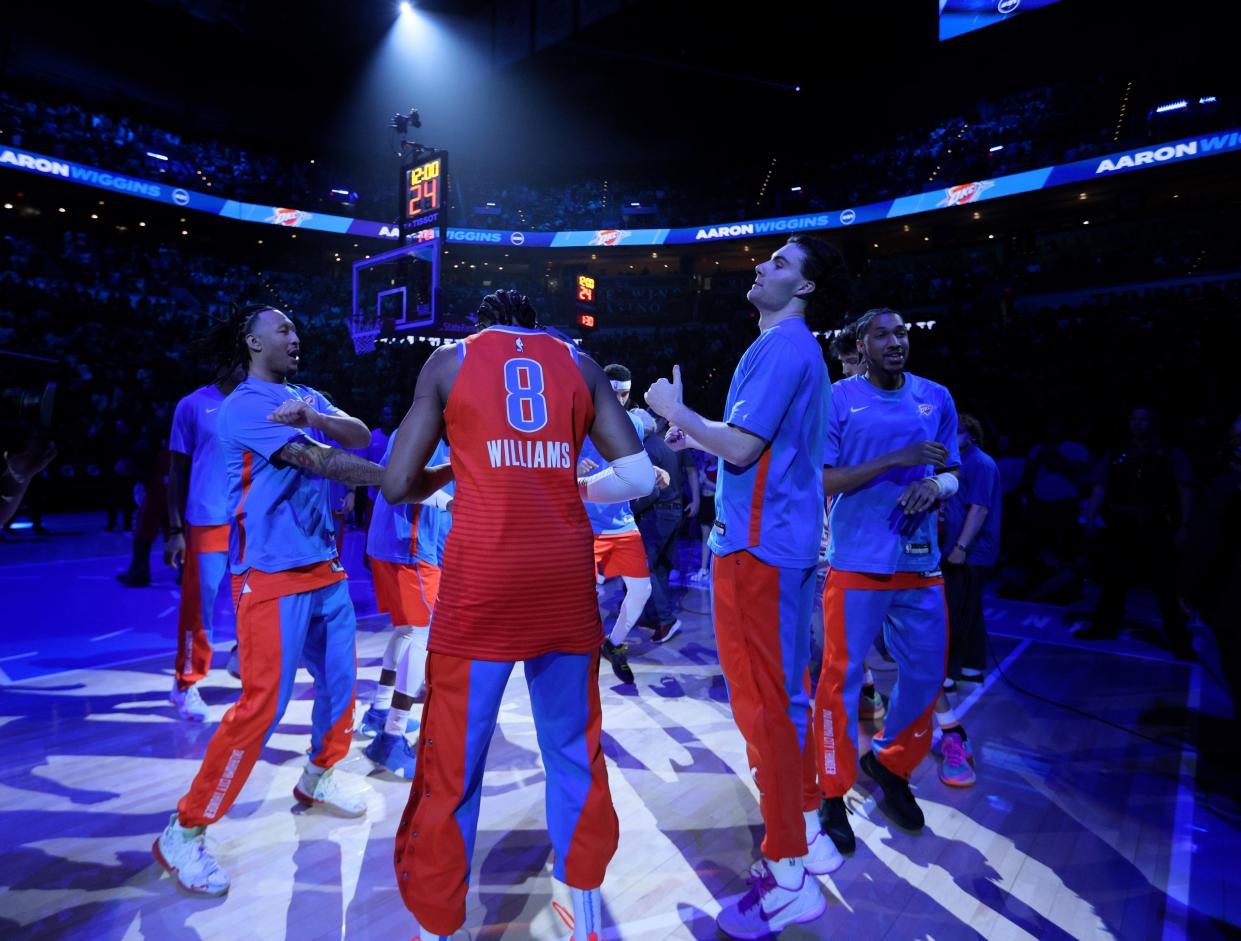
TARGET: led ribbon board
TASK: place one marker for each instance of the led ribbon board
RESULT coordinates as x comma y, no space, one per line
1091,168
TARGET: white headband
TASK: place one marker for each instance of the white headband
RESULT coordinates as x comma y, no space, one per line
621,386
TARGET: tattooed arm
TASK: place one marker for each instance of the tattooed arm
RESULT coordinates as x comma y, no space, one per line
332,463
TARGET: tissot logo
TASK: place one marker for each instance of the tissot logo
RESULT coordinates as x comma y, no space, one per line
517,238
181,197
847,217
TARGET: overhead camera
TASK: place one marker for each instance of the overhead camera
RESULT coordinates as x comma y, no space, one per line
28,408
401,123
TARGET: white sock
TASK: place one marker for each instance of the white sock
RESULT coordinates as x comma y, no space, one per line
383,696
813,827
397,718
790,873
314,770
637,591
947,719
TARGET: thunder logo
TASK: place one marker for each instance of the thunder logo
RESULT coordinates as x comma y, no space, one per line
963,193
290,217
609,237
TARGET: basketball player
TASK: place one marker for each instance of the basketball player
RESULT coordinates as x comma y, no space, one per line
288,586
518,585
843,349
403,542
765,541
619,550
890,433
197,534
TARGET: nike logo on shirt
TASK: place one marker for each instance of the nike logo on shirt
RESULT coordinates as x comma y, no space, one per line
861,409
210,410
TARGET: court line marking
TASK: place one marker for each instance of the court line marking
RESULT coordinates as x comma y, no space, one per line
123,630
968,702
1087,649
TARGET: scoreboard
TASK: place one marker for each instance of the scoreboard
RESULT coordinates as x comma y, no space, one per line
423,193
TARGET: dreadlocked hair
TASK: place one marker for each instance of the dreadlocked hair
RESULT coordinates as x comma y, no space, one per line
225,343
506,309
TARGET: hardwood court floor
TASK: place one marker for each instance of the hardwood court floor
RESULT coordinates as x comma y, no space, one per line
1075,829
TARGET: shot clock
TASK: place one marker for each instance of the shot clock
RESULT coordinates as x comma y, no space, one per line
423,189
584,299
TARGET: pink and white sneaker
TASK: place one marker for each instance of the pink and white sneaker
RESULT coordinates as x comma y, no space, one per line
956,766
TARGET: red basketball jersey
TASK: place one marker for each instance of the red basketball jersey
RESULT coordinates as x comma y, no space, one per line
518,574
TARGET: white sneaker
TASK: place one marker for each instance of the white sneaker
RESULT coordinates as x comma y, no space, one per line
701,577
327,791
822,857
768,908
189,703
183,853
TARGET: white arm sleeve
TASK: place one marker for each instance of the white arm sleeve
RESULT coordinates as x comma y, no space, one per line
629,477
440,500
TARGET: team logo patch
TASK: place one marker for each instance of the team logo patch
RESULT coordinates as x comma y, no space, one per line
925,408
308,399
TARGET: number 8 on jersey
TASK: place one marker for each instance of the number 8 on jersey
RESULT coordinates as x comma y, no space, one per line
525,406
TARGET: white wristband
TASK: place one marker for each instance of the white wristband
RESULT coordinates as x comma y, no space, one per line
947,483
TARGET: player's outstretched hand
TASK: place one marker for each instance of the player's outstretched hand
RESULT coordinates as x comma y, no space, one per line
924,452
586,466
295,413
663,396
662,478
